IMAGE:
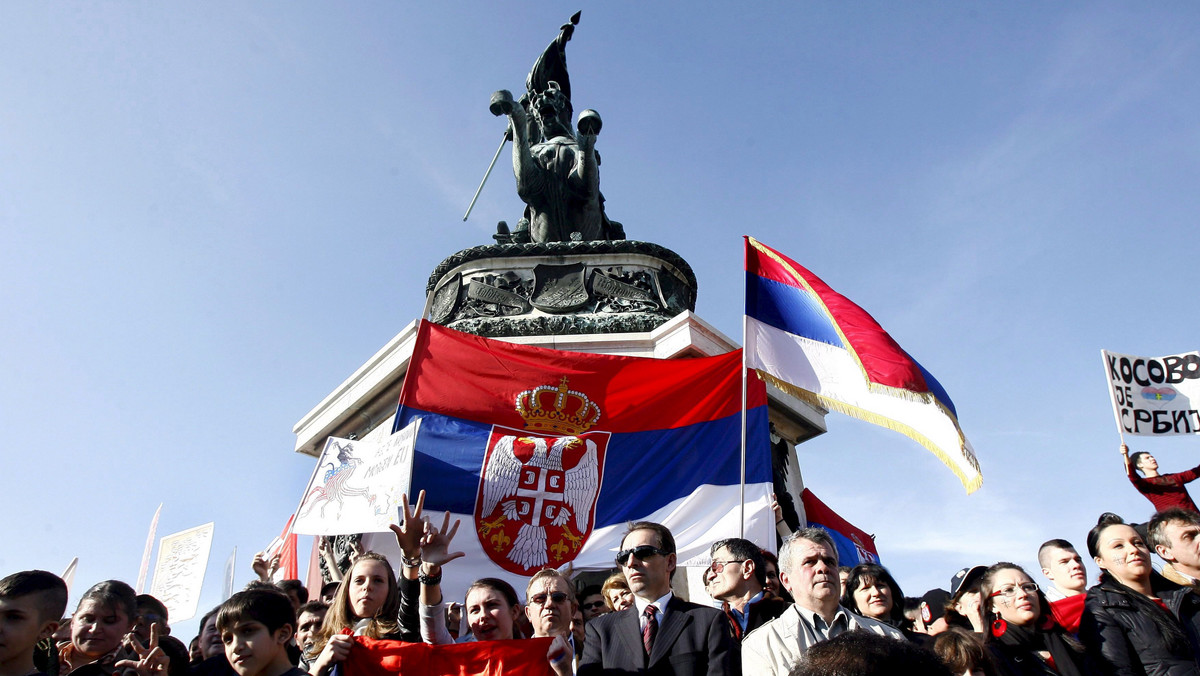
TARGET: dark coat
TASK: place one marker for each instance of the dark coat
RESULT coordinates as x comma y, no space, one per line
693,640
762,612
1123,640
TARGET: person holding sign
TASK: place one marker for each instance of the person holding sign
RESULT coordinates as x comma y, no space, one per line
1162,490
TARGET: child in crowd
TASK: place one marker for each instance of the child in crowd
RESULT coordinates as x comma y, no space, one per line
256,626
368,595
31,603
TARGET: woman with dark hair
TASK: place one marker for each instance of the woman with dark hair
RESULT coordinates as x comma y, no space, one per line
491,608
1135,622
99,629
872,592
1023,636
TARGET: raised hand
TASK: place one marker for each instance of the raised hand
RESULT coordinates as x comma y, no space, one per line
560,655
436,543
411,528
260,566
151,660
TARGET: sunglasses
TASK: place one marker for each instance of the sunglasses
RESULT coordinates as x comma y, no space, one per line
718,566
642,552
593,604
540,599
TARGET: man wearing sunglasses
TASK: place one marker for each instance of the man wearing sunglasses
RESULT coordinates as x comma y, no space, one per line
592,602
661,634
737,578
550,606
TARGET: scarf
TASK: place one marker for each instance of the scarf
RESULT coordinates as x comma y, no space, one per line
1048,637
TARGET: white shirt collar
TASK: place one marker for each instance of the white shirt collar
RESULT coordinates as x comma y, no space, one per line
660,603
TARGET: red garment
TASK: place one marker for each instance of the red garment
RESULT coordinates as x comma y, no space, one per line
1068,611
1166,490
520,657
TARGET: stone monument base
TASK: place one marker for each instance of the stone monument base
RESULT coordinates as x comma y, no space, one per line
560,288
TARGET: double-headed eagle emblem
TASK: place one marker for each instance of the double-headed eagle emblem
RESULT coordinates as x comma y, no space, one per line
541,482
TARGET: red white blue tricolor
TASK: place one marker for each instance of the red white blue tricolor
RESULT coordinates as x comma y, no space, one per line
546,455
816,344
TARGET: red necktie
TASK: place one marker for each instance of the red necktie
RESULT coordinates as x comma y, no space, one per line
651,629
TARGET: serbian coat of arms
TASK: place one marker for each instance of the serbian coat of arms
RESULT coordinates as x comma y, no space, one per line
538,486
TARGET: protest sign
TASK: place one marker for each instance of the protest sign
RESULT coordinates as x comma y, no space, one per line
179,572
357,484
1152,396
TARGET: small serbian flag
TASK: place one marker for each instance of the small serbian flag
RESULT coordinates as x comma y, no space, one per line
854,545
816,344
520,657
546,455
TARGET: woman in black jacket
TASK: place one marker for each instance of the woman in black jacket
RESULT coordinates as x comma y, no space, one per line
1023,637
1136,622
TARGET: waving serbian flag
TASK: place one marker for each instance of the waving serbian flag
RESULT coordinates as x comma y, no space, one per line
816,344
545,455
854,545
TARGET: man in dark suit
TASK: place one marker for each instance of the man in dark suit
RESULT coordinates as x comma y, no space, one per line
660,634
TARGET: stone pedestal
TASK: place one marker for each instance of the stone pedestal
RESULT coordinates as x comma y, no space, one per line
557,288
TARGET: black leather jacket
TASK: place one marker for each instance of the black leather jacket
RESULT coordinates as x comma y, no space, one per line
1123,640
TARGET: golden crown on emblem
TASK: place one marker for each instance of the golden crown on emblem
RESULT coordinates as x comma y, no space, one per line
557,410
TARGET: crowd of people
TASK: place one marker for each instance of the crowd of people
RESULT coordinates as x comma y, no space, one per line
795,615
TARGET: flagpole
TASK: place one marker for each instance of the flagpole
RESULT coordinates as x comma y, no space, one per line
742,484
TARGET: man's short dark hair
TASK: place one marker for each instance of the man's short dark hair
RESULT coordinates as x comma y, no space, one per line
1136,459
666,541
1044,550
148,602
50,588
269,607
297,586
316,607
1158,524
590,590
744,550
865,653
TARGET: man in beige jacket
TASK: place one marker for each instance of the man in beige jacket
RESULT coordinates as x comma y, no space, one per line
808,567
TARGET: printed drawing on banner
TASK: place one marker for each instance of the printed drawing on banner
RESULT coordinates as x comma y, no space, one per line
538,487
334,488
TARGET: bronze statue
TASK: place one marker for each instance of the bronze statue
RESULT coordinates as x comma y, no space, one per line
557,169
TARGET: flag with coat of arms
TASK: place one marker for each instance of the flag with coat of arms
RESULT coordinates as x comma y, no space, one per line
546,455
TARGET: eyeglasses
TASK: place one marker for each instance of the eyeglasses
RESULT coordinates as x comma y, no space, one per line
1011,590
540,599
593,604
642,552
718,566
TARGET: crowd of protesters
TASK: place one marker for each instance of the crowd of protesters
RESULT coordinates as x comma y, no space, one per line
800,613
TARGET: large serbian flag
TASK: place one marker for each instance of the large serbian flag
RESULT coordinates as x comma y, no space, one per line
816,344
546,455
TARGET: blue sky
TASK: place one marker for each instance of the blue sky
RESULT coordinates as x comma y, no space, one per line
211,214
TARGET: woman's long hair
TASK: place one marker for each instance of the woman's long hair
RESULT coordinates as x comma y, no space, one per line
341,614
867,573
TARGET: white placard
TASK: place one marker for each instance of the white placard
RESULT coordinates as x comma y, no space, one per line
357,485
179,572
1152,396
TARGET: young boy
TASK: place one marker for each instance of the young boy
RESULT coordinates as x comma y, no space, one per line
256,626
31,603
